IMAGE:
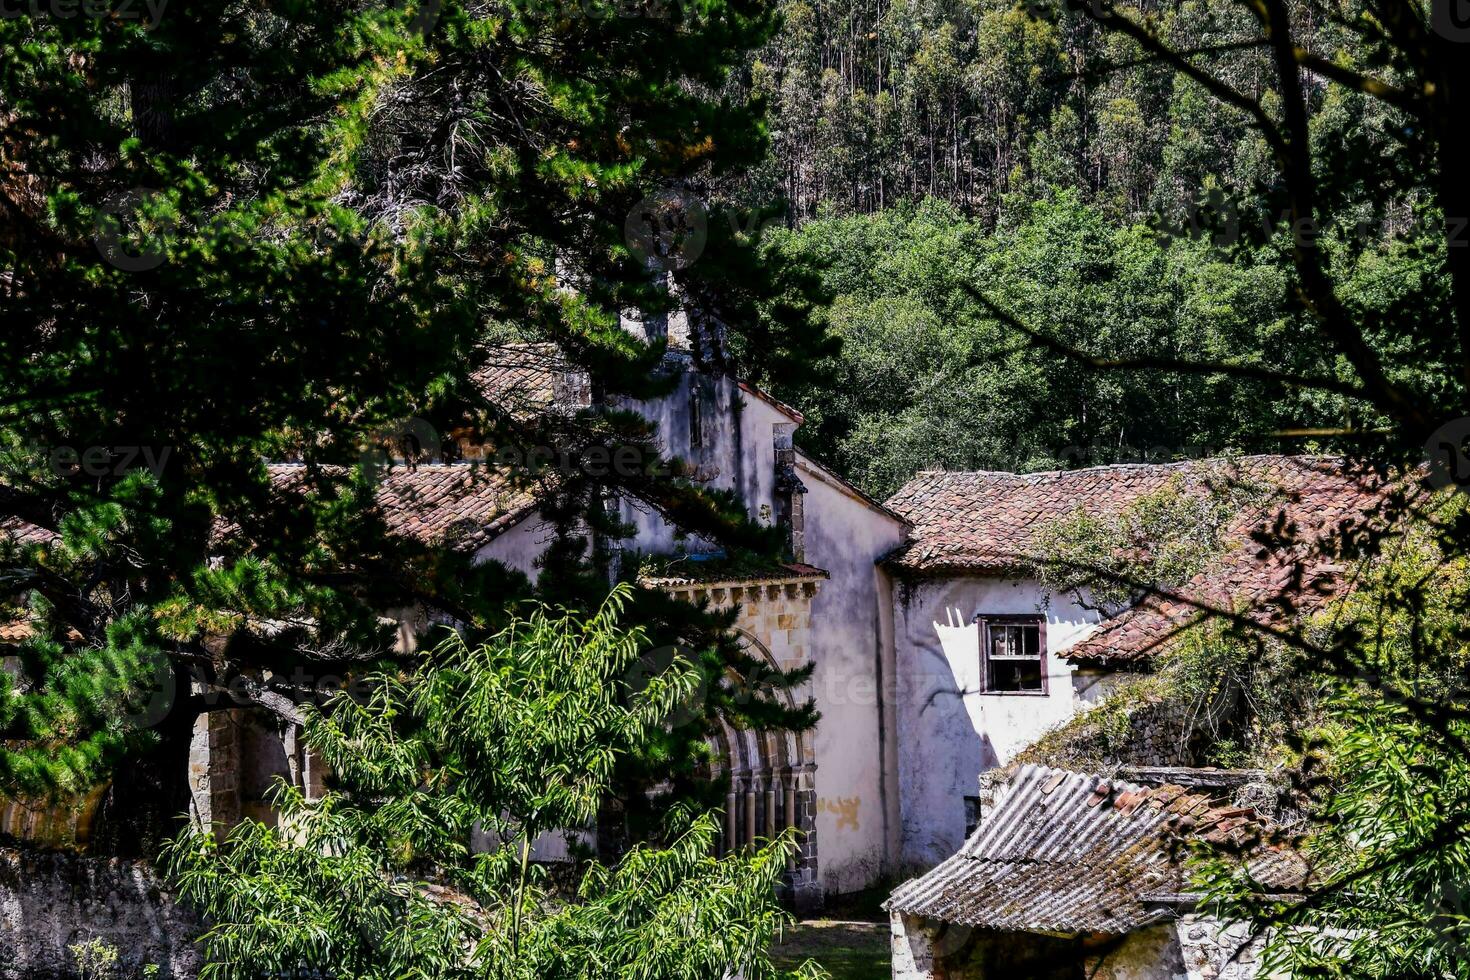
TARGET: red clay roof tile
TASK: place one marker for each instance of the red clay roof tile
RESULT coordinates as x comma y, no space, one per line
986,523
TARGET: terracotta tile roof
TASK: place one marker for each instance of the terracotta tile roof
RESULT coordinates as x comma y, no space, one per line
22,532
986,523
1068,852
531,379
463,505
1265,584
16,631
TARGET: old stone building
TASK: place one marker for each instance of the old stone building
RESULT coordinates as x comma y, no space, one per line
967,603
936,654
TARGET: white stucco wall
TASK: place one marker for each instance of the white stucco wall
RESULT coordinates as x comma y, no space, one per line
852,646
737,451
948,731
519,546
852,640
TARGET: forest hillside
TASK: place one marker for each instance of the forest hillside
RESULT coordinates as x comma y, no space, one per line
952,165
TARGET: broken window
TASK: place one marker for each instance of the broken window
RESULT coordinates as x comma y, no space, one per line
1013,654
972,815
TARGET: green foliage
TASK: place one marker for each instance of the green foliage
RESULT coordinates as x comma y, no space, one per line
95,959
242,235
929,377
1384,777
1212,696
1103,735
418,861
980,104
1155,543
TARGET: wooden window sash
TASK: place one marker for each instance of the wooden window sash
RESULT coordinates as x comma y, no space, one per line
983,623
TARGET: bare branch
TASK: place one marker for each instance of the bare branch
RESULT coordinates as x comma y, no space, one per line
1234,369
1409,101
246,690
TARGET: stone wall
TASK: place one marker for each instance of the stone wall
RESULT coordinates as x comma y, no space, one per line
1143,721
925,949
1216,951
773,775
52,900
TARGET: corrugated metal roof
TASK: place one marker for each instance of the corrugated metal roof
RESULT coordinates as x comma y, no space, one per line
1075,853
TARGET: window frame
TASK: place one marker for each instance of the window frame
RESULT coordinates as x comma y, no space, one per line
983,622
972,816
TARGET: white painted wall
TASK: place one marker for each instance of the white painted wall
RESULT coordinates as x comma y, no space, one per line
852,627
519,546
737,451
852,641
948,731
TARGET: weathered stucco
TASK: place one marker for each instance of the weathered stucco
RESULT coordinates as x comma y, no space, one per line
519,546
735,450
852,636
949,730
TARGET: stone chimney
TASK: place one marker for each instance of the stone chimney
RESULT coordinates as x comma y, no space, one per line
672,326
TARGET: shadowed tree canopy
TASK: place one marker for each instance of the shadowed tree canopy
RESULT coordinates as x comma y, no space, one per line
297,232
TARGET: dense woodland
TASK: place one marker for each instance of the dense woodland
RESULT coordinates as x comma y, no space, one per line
933,151
990,103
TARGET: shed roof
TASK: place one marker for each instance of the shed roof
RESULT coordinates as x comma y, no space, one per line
1067,852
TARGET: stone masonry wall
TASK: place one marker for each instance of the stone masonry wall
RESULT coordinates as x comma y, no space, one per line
772,774
1216,951
52,900
1143,722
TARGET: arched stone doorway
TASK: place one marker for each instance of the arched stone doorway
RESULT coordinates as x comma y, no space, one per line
770,783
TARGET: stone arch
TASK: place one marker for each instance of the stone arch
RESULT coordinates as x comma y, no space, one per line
770,786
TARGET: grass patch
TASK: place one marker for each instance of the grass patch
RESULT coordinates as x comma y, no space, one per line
846,950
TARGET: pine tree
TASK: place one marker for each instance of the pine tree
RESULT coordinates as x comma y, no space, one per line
236,236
